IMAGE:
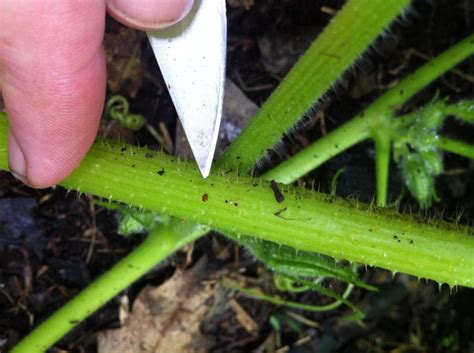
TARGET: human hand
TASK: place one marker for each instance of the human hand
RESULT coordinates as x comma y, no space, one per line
52,76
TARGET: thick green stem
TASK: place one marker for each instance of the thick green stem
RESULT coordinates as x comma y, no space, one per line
160,244
374,120
303,220
354,28
458,147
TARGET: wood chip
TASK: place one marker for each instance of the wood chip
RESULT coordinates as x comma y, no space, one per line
243,317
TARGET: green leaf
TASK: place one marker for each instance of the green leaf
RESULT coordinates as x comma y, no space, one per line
293,263
133,220
415,146
418,179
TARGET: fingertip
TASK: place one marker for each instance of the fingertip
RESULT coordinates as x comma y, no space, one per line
149,15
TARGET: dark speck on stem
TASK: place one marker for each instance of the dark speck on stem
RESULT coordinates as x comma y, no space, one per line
276,192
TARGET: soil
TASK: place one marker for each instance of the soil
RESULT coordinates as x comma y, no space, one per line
53,243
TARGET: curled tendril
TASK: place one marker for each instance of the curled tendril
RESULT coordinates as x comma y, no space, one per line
118,109
285,284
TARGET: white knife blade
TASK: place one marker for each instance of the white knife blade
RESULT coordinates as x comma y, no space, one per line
192,55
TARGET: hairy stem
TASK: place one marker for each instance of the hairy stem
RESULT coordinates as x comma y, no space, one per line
160,243
320,151
373,120
458,147
317,71
304,220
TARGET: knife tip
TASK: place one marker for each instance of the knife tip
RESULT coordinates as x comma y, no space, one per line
205,166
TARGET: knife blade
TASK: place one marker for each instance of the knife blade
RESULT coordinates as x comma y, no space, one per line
192,55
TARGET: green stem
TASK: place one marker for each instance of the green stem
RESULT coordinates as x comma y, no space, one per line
382,164
337,303
453,146
353,29
257,294
444,143
304,220
394,98
320,151
160,244
373,120
463,110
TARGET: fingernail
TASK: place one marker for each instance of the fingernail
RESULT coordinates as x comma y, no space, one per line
149,14
16,159
187,9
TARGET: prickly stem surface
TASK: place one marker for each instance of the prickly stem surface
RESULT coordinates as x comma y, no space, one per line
304,220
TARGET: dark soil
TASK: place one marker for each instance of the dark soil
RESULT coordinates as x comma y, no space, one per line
53,243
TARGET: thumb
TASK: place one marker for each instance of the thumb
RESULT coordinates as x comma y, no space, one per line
149,14
52,77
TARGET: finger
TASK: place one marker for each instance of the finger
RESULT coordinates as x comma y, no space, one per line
149,14
52,77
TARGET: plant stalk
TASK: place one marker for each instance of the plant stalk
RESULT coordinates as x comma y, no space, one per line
316,72
160,243
304,220
376,119
259,295
458,147
382,165
348,135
